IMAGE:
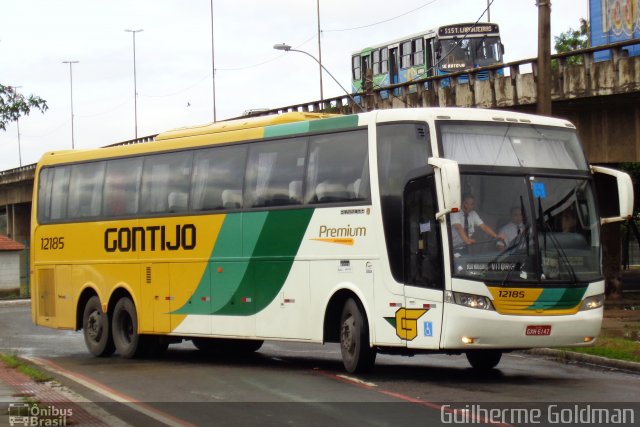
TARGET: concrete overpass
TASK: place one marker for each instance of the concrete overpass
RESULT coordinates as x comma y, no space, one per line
601,98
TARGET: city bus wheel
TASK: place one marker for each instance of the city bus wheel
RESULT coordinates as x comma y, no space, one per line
484,359
125,329
357,355
96,329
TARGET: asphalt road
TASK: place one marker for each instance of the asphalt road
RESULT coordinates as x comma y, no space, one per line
303,384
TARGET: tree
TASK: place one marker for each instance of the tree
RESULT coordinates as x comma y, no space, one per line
14,105
573,40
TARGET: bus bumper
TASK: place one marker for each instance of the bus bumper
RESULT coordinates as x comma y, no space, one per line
469,328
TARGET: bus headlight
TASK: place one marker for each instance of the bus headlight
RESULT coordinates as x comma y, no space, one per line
590,303
468,300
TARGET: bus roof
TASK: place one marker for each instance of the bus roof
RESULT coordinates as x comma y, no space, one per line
172,139
241,124
245,129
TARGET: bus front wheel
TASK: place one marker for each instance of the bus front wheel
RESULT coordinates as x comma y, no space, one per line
484,359
96,329
125,329
357,355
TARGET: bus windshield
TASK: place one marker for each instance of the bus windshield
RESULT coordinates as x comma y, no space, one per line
547,229
462,54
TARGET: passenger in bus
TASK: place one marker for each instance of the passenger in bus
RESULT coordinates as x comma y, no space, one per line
512,229
568,221
464,223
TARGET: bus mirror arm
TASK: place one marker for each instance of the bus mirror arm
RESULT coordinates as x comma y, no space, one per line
449,185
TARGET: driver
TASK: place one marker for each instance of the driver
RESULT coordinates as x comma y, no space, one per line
464,223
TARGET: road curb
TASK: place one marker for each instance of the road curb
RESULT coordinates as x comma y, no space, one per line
587,359
15,302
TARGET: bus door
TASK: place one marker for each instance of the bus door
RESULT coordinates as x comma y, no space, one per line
423,269
394,71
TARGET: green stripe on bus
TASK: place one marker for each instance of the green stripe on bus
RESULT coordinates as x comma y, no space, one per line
322,125
245,286
558,298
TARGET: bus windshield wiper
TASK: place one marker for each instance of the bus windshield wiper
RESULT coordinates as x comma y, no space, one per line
548,232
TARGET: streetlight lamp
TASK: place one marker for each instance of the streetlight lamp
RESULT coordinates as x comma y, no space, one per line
135,86
287,48
71,80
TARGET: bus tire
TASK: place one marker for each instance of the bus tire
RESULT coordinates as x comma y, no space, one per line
484,359
96,329
357,354
128,342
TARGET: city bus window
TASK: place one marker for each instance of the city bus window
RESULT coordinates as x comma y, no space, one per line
44,194
357,75
273,172
120,195
218,171
165,183
405,53
85,190
384,60
376,61
60,192
418,52
338,168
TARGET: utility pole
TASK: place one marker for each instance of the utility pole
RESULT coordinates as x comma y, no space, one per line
71,80
213,67
320,53
544,58
135,82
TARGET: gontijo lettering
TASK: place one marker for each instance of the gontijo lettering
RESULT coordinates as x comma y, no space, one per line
153,237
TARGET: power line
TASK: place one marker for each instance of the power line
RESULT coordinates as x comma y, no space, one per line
381,22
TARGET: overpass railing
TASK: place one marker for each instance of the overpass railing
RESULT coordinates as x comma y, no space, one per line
574,74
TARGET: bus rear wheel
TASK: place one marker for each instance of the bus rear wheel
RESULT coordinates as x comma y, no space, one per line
484,359
357,355
96,329
128,342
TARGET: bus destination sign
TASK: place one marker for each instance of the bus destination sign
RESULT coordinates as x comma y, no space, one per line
467,29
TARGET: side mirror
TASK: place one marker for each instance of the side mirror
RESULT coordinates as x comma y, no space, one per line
614,205
448,181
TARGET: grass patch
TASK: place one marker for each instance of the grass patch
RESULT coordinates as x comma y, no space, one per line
28,369
612,348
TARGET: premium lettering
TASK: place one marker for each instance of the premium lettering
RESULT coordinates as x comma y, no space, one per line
151,238
347,231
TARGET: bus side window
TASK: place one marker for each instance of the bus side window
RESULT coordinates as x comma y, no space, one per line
165,182
120,196
422,242
338,168
271,169
215,171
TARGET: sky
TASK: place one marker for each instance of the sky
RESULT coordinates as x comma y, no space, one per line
174,58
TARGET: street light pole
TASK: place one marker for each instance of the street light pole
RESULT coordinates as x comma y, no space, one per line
213,66
135,85
71,80
288,48
320,53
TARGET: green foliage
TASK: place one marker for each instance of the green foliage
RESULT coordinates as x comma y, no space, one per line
14,105
573,40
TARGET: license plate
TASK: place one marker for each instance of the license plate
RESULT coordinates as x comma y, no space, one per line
538,330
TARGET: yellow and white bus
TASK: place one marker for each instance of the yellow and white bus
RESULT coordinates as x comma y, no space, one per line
318,228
